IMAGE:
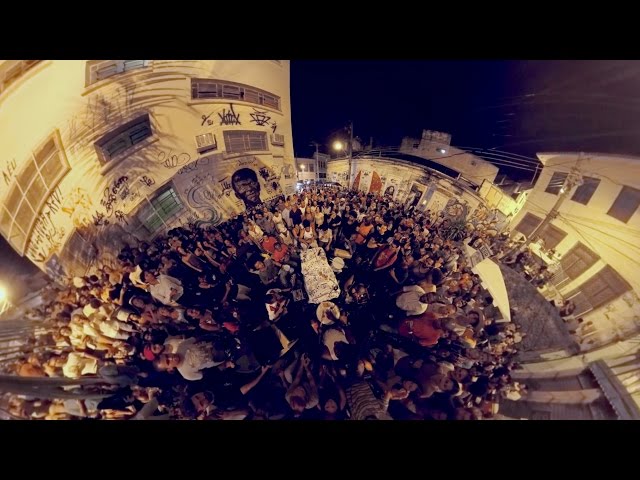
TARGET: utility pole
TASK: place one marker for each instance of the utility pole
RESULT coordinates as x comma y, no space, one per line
317,145
350,149
574,178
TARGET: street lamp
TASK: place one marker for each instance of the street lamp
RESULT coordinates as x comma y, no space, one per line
339,146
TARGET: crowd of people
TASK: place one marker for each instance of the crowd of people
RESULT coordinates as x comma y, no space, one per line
214,323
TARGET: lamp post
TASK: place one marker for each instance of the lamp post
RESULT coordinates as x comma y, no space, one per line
339,146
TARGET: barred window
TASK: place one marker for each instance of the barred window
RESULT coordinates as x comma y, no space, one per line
100,69
120,140
160,210
30,190
578,260
602,288
245,141
203,88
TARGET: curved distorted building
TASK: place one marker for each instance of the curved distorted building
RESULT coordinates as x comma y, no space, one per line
131,148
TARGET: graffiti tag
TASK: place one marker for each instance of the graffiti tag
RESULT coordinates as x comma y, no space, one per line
229,117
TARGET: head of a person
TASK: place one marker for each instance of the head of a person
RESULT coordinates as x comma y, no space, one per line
201,401
149,277
298,404
330,406
246,186
259,265
167,361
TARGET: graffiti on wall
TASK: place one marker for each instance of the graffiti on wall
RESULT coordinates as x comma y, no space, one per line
78,206
113,108
206,119
54,270
287,172
8,171
414,195
46,236
147,181
229,117
110,194
171,160
259,118
193,166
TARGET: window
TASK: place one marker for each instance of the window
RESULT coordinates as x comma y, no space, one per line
100,69
160,210
528,224
12,70
245,141
626,204
120,140
602,288
29,191
203,88
556,182
585,191
322,175
552,236
578,260
312,168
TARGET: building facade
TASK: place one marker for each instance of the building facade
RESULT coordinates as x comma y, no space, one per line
97,153
592,242
436,146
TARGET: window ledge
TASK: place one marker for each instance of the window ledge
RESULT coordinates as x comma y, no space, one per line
113,163
226,101
27,75
117,78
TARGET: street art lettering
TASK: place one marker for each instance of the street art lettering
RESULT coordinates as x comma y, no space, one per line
55,201
8,171
274,126
193,166
46,236
99,219
206,119
147,181
108,199
230,117
173,161
109,196
120,216
260,118
78,206
119,184
226,188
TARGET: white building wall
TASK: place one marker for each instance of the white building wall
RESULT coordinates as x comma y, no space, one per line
438,149
51,99
617,243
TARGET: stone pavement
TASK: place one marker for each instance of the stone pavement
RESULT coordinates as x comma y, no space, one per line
536,316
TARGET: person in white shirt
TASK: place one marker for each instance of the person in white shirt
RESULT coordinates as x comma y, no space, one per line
413,300
189,357
325,236
113,328
166,289
79,364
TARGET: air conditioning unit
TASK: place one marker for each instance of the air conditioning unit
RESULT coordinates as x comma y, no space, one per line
277,139
206,142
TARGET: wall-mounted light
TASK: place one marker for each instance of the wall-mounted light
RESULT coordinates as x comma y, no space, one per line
441,150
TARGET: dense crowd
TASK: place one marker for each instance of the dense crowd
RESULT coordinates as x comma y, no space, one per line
215,323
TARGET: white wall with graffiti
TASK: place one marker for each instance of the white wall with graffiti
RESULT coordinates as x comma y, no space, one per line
414,185
55,107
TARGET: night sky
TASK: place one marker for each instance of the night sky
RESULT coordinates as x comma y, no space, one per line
522,107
